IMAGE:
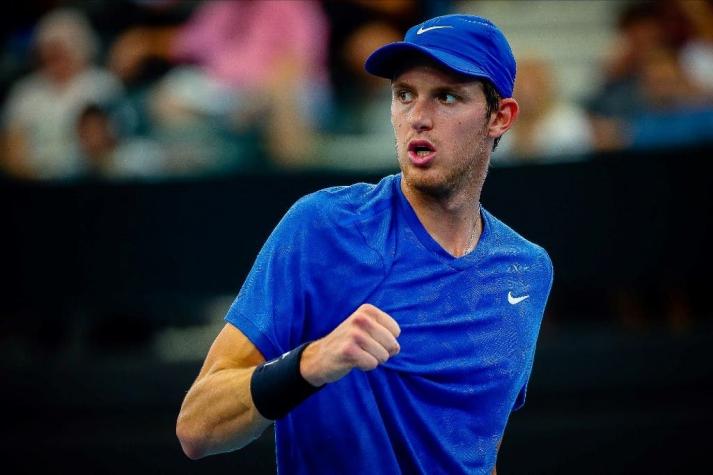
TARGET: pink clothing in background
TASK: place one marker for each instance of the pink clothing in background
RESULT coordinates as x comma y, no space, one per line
240,42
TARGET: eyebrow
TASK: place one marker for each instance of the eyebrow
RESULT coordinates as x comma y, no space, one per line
457,88
397,84
460,90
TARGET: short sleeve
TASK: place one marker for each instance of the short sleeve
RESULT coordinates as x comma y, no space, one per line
542,290
312,272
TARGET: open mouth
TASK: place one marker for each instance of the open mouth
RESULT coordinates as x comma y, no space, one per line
421,147
421,152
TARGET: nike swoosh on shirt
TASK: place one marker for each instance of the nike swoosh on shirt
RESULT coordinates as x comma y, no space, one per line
516,300
424,30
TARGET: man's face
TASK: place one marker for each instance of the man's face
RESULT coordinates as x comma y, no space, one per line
441,130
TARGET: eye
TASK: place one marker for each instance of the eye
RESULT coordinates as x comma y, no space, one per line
404,95
447,98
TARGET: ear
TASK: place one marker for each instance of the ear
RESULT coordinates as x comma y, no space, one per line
502,120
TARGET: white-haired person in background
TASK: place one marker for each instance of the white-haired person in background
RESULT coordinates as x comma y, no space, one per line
42,108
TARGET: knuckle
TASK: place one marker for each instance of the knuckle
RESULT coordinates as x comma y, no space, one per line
366,307
360,320
370,365
359,338
351,351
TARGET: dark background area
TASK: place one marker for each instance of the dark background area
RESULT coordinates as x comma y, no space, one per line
93,272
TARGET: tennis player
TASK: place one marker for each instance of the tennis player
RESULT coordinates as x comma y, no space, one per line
389,328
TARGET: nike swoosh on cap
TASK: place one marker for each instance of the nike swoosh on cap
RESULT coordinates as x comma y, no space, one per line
438,27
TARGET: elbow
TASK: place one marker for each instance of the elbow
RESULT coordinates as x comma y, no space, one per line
193,451
192,443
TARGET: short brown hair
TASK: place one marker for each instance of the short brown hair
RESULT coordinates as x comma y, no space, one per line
492,103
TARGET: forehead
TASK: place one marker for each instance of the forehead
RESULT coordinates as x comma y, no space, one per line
432,73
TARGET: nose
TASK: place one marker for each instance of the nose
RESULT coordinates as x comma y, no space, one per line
420,116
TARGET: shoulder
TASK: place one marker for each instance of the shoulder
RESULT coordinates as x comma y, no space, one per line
27,102
526,262
511,242
28,88
354,223
345,205
29,84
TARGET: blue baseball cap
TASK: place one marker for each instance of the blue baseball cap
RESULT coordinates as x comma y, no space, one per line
466,44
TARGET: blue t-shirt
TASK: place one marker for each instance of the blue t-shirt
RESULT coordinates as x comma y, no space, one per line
468,331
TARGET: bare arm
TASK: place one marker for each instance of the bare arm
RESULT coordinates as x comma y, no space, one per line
218,414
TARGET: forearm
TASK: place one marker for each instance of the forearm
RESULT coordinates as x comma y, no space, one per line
218,414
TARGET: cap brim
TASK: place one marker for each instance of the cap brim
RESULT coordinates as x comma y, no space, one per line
390,59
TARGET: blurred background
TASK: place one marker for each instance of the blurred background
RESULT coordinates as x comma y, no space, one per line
150,146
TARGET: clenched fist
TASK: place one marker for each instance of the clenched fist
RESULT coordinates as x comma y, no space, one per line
366,339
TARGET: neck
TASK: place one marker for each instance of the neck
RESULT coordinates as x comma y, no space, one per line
453,221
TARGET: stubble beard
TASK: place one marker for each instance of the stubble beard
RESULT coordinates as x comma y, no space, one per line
468,170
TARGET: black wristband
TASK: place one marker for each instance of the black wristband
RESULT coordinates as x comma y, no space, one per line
277,386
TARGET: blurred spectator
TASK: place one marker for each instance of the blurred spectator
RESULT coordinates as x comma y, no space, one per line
361,136
108,155
658,78
548,128
697,52
348,16
42,108
358,135
142,53
191,118
137,33
675,111
248,73
16,27
638,31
